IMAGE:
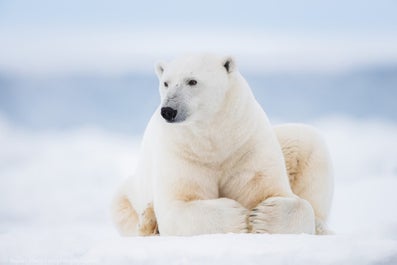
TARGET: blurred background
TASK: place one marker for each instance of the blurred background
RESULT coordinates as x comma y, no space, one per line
77,88
66,64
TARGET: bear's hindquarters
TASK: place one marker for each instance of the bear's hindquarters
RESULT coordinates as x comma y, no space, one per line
309,168
123,213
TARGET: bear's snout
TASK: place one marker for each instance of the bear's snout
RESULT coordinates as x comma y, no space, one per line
169,114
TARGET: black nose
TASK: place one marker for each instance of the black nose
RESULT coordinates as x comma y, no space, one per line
168,113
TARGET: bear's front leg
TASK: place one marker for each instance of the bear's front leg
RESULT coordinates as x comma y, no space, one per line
213,216
282,215
187,201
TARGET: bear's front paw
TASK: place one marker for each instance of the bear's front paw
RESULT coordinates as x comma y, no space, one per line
279,215
234,217
147,222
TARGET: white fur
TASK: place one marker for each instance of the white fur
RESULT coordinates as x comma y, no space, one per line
222,167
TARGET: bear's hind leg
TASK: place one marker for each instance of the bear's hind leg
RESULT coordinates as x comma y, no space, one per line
123,213
148,222
309,169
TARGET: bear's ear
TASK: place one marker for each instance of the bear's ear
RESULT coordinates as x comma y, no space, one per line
229,64
159,69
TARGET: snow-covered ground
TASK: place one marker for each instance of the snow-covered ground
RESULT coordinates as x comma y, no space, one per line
56,186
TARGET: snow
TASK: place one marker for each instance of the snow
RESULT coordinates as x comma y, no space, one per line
56,187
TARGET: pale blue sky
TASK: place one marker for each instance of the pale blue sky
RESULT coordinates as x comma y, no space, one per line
339,15
118,36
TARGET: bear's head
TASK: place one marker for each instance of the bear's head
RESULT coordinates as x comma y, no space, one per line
193,87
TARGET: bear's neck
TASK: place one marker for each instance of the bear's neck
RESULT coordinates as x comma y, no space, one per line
215,140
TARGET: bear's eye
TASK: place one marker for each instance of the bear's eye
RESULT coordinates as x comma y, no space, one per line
165,84
192,82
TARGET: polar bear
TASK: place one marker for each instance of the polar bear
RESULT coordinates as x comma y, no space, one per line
212,163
